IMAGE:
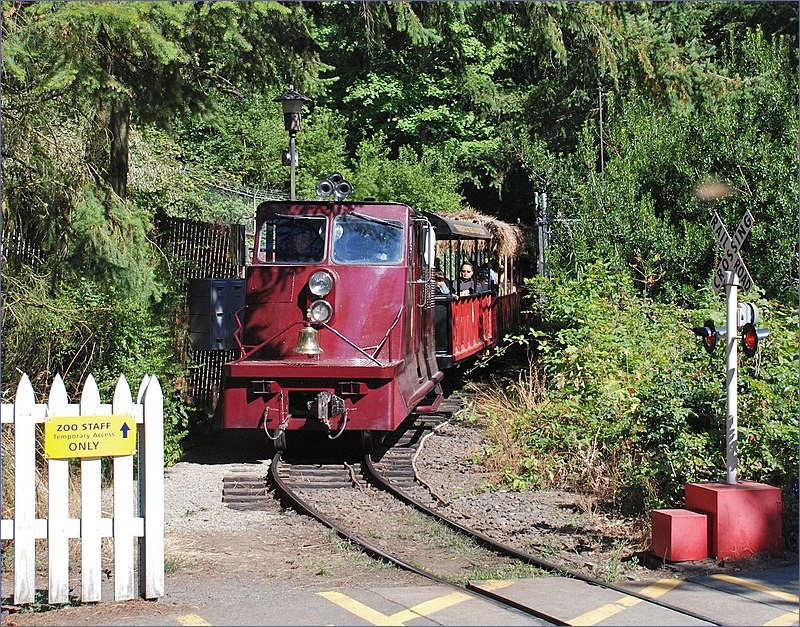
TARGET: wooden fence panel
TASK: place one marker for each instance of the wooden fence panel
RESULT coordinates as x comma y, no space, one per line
201,249
20,247
124,527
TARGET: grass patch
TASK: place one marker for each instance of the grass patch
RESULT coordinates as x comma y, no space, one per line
39,604
174,563
355,554
516,570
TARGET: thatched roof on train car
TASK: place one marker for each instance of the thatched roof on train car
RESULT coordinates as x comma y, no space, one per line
507,239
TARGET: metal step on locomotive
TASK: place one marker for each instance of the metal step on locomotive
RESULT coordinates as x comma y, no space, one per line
342,327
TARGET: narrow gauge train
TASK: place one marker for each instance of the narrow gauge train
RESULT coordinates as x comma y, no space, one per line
342,329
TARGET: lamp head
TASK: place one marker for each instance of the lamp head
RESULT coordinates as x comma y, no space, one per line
292,103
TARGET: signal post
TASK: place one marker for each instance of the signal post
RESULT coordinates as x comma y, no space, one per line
731,366
735,519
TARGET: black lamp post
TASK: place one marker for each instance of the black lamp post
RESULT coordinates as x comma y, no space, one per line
292,103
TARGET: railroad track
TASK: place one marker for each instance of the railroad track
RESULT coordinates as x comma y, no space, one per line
376,502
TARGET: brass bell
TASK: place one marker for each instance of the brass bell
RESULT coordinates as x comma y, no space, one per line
307,343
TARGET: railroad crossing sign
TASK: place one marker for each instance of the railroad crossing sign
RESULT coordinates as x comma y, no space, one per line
731,260
90,436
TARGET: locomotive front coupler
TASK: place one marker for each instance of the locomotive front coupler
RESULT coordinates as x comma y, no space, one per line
329,406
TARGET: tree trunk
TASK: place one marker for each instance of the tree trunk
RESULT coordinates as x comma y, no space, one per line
118,126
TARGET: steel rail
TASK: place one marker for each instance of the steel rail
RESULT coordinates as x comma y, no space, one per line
300,505
304,507
499,547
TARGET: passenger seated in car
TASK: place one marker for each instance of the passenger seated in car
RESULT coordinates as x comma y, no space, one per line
441,283
464,285
487,281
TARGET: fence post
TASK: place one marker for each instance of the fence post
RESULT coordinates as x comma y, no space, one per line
123,504
58,504
152,480
24,493
90,504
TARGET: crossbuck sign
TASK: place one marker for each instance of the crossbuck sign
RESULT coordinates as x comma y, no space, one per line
731,261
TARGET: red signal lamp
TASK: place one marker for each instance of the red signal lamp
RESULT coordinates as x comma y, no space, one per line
709,334
751,337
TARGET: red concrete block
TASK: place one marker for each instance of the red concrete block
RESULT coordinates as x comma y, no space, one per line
744,518
679,535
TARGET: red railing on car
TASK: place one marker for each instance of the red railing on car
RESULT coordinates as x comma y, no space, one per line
474,324
508,306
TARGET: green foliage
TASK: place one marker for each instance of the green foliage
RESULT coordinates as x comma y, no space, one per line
108,241
91,327
644,211
427,78
635,408
69,66
426,181
244,138
159,182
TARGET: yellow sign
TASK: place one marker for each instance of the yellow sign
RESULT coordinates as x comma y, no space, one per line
90,436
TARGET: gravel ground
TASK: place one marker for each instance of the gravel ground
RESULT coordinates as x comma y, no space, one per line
560,527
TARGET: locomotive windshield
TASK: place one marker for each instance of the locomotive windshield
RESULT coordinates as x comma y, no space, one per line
292,239
361,239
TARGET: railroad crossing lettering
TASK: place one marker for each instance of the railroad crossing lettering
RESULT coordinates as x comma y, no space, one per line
731,260
90,436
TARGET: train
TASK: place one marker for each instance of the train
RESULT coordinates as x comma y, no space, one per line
342,328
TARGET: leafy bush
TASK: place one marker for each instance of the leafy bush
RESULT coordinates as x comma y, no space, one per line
427,181
89,327
634,408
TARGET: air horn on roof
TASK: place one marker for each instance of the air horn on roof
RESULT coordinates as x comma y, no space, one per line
335,184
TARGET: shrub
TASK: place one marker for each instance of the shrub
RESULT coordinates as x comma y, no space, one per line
89,327
634,408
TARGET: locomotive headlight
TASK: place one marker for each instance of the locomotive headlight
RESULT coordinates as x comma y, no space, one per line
320,283
320,311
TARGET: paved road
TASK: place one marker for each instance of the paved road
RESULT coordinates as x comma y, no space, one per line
760,598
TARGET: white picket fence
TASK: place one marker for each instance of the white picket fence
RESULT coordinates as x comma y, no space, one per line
128,528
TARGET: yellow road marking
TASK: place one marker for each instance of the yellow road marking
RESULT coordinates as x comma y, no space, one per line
780,594
662,586
790,618
359,609
192,619
606,611
653,591
375,617
430,607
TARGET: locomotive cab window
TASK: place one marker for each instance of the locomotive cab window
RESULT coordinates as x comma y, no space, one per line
292,239
362,239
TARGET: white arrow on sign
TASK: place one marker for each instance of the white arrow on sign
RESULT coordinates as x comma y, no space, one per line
731,246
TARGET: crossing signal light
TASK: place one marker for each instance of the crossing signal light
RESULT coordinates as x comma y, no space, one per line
751,337
709,334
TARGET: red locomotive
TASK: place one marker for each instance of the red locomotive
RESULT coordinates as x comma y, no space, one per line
341,329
